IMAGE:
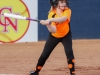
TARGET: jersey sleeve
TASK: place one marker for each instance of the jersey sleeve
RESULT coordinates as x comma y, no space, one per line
50,16
67,13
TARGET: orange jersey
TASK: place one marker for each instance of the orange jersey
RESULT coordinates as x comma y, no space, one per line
62,28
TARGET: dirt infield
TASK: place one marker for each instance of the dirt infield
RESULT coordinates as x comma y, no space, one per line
20,58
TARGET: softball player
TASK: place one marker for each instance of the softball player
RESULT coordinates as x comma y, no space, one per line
58,23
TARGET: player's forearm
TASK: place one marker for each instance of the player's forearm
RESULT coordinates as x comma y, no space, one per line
52,29
60,19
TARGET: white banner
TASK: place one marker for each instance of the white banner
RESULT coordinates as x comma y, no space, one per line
32,33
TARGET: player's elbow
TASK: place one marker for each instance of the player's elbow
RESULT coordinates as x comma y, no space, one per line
64,18
53,30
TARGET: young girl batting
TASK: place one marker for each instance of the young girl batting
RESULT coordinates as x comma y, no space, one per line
58,24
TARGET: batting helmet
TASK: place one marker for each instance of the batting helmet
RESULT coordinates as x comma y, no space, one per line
55,2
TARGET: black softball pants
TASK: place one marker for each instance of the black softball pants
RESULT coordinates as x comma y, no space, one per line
51,44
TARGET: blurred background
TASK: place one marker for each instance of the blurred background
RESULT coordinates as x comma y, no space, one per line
85,20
